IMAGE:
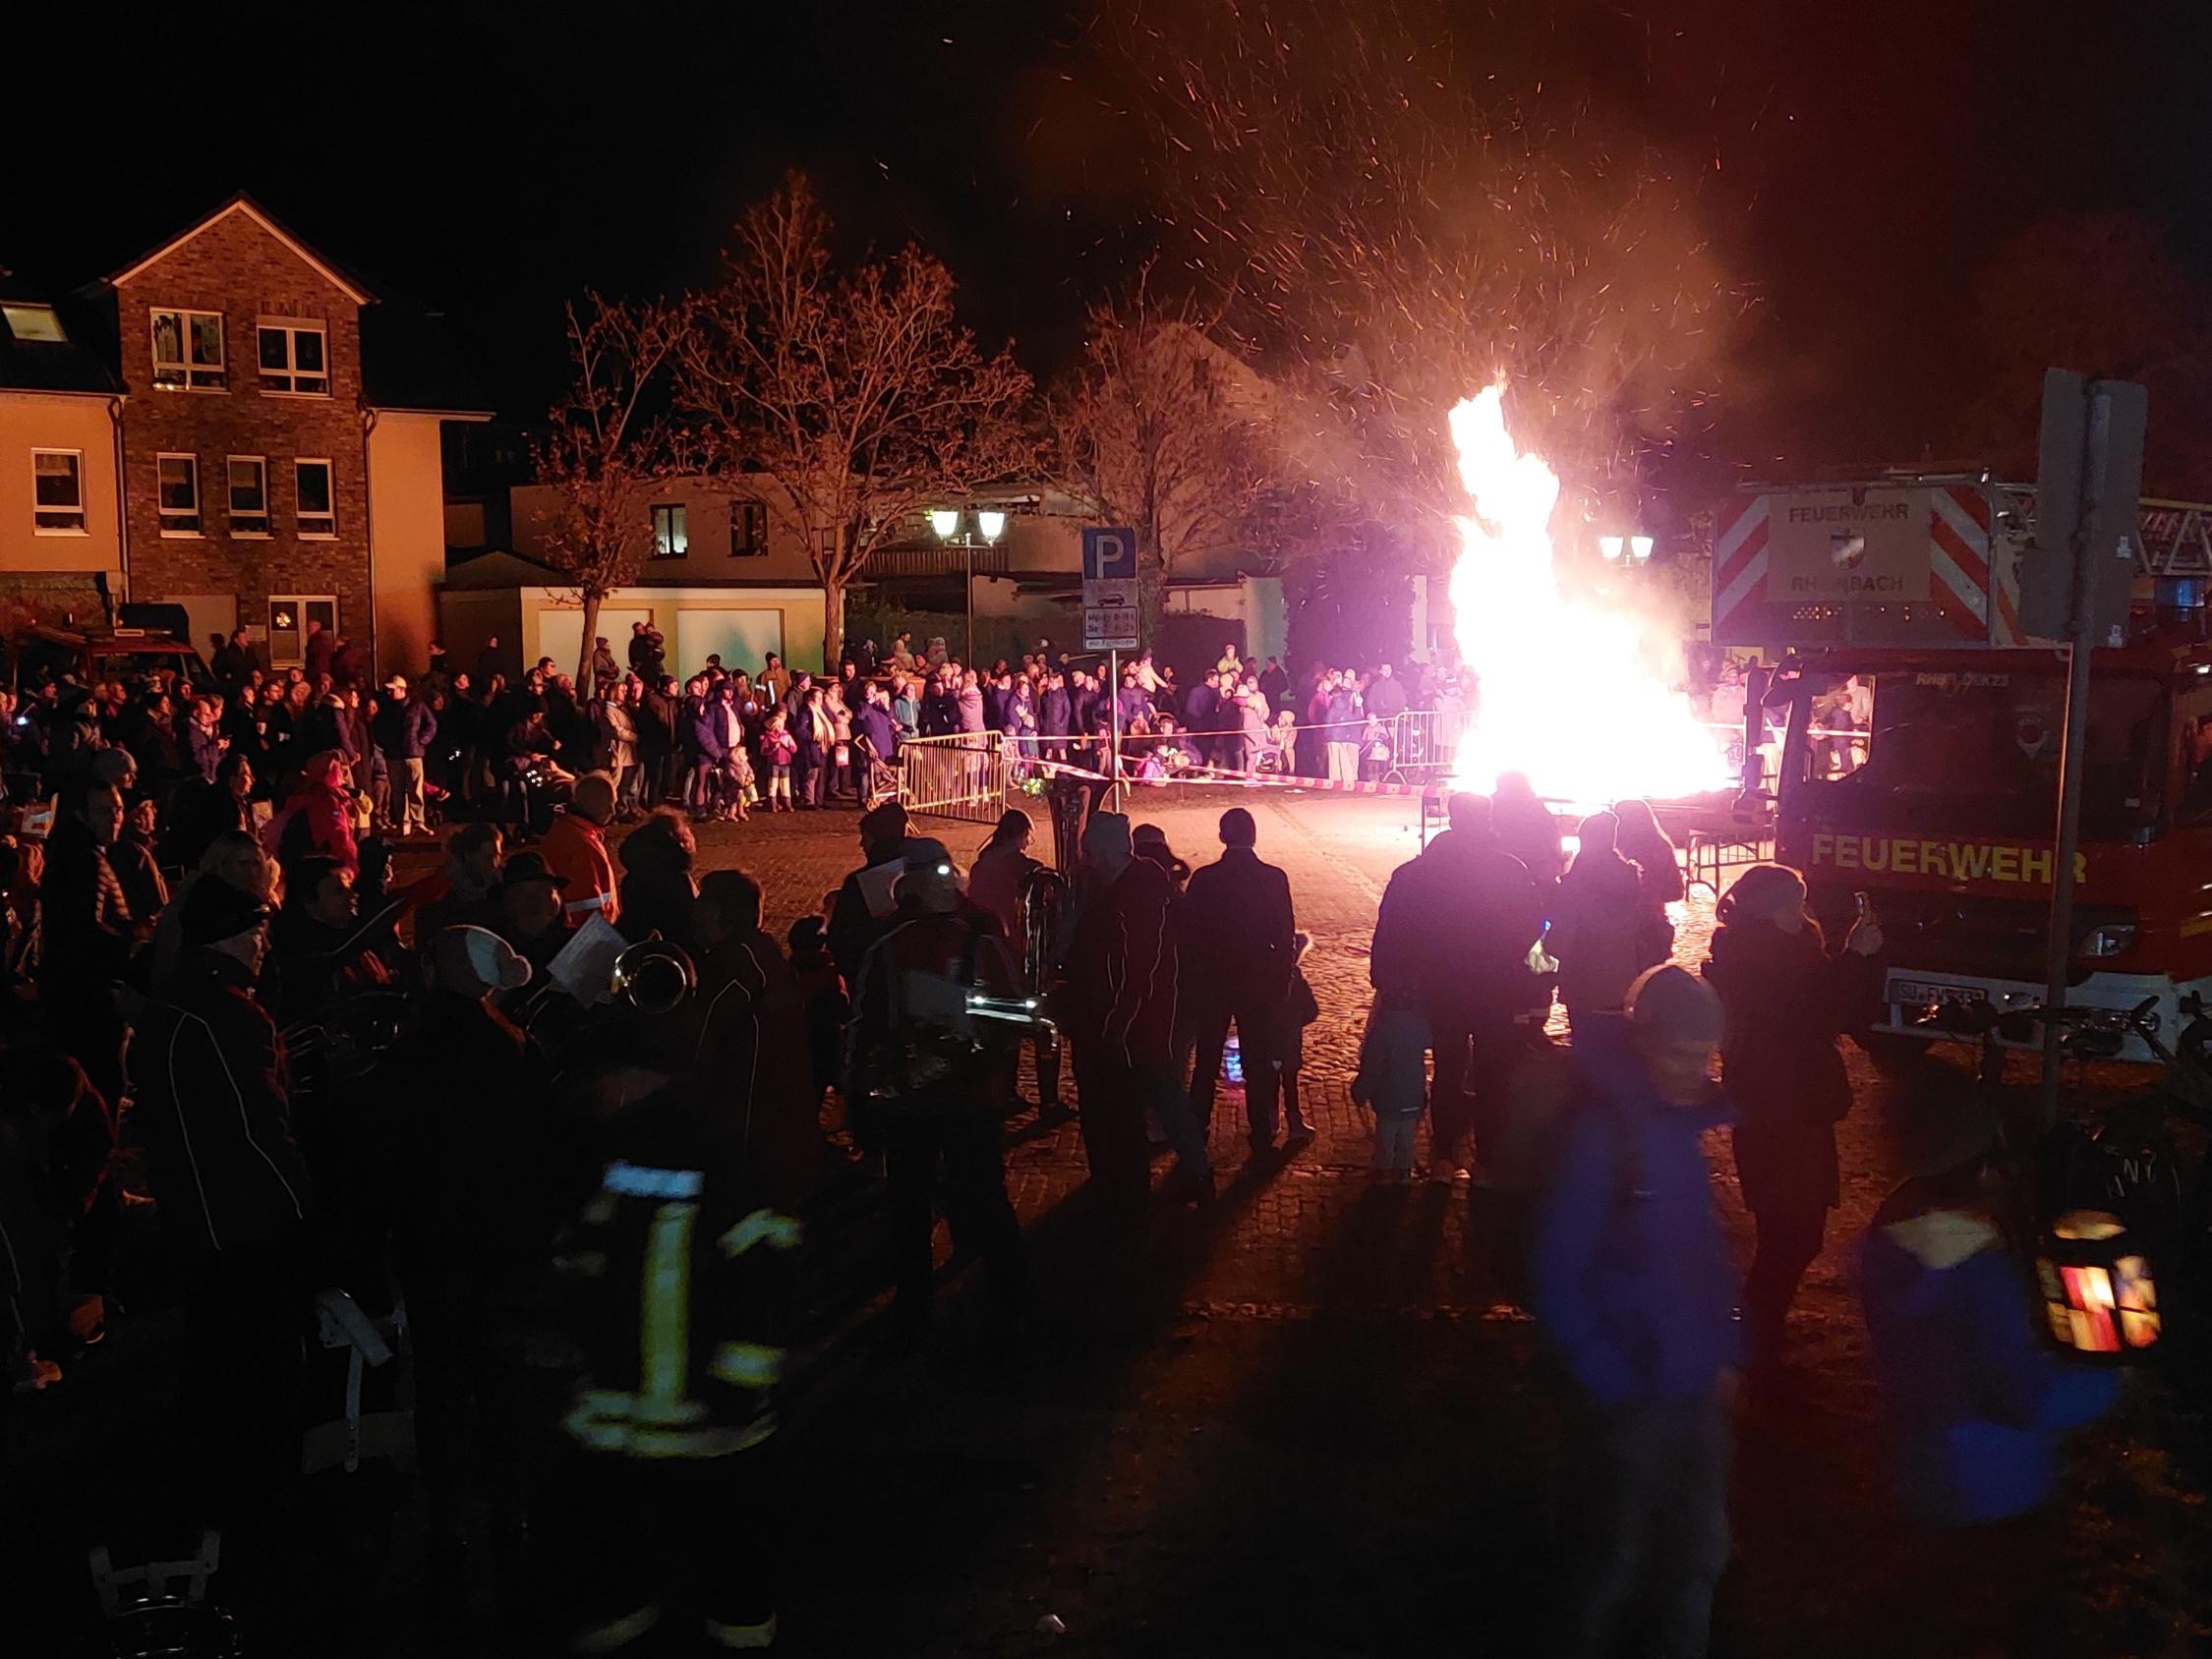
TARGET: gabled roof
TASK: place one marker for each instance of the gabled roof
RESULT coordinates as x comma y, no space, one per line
75,363
244,203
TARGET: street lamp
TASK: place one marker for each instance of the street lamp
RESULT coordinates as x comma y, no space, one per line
946,521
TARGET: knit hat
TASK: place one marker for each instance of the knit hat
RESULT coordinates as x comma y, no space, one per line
1147,835
215,910
1762,891
480,957
1679,1007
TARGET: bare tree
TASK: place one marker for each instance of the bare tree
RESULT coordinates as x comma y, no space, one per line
857,392
607,446
1162,429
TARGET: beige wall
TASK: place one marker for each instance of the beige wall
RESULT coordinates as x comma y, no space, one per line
53,420
693,620
706,503
407,528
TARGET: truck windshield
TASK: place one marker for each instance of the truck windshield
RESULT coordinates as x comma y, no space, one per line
1978,753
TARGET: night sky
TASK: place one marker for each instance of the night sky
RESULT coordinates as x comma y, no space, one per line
1856,164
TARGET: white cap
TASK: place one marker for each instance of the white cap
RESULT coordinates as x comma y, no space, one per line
483,955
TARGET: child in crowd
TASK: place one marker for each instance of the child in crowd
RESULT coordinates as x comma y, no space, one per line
1299,1010
778,749
737,787
1375,750
822,994
1391,1082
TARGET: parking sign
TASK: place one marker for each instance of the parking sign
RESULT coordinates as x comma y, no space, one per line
1109,588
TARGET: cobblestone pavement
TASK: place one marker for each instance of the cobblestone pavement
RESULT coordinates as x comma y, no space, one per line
1310,1419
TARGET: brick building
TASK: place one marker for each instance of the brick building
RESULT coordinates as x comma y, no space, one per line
279,449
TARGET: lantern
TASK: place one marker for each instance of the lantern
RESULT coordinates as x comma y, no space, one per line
2097,1288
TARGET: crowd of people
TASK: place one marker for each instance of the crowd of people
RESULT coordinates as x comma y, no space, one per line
1241,718
232,1003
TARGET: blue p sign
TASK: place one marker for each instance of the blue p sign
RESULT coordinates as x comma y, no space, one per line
1109,554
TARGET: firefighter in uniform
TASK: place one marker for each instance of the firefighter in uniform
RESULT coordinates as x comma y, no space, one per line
936,1077
681,1268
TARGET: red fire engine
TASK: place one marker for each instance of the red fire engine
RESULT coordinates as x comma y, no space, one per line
1921,739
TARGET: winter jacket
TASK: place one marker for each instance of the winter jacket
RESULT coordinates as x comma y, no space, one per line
1122,966
1454,928
1053,713
659,720
656,893
970,704
209,1082
1343,715
1237,912
316,820
575,849
1629,1275
1596,919
403,730
874,722
1386,696
702,730
1785,1001
1974,1402
204,747
1131,705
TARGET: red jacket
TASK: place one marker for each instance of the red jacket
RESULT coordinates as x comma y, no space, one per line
575,848
316,818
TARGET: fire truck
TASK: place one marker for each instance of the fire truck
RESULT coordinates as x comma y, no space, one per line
1921,736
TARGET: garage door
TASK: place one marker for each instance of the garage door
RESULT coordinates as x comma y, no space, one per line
742,638
560,634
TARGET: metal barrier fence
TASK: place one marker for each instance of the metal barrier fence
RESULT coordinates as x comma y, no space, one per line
963,775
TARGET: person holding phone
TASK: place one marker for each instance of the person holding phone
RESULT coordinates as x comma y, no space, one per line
1787,998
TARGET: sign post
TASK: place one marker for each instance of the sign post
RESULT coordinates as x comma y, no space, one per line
2076,583
1109,624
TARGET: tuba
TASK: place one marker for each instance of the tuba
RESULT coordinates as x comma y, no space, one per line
1044,908
655,976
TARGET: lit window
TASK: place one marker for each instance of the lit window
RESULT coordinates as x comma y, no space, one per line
249,495
748,529
187,350
288,617
295,358
33,322
318,512
179,488
57,492
671,537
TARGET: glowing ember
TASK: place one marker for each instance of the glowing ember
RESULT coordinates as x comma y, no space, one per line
1575,697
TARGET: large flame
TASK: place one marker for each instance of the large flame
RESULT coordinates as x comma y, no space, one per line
1571,695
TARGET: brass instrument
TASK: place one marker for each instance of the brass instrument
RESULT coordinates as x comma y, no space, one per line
1044,911
654,976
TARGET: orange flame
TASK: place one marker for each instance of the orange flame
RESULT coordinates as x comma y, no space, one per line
1569,694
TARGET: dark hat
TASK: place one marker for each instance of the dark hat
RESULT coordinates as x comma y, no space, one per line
215,910
926,853
529,867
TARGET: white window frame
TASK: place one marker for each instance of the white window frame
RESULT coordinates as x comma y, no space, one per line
171,518
754,513
679,516
231,514
283,382
299,602
218,374
328,531
41,509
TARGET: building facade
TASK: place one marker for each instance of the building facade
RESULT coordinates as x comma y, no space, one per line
259,471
